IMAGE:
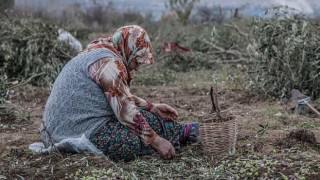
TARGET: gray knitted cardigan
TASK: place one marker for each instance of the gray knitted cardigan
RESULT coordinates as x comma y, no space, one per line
76,106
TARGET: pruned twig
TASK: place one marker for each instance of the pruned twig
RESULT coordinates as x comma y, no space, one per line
236,61
227,51
213,109
26,82
237,29
51,141
214,100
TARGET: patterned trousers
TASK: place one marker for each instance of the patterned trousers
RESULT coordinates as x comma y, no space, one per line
120,144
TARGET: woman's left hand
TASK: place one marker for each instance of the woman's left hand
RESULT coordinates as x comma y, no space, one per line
165,111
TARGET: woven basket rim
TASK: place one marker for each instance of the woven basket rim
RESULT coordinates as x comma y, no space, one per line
225,113
221,112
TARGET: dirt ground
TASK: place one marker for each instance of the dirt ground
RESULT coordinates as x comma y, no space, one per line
283,151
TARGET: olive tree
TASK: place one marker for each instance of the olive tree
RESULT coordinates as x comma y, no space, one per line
182,8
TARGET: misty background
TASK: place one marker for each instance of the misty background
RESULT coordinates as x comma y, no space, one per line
160,7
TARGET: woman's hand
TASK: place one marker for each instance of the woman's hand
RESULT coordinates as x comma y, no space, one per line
165,111
163,147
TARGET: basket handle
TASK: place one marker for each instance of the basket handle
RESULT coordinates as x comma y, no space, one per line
214,101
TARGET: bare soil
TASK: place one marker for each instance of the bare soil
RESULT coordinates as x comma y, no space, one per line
283,141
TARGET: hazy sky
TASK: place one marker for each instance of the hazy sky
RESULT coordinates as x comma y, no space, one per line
158,6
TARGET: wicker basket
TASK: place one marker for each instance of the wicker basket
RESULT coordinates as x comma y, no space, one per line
218,134
218,130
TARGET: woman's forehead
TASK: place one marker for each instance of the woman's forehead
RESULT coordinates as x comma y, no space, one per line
135,27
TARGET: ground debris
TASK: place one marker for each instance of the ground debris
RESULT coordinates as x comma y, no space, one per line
299,138
303,135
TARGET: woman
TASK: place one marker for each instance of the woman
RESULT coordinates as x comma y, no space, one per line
91,99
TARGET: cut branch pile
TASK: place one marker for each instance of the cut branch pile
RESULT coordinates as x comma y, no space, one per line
223,44
30,52
29,47
287,56
227,45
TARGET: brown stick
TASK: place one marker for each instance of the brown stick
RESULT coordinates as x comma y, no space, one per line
213,109
214,100
313,109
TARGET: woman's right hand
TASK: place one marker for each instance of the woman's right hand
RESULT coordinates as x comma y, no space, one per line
165,111
163,147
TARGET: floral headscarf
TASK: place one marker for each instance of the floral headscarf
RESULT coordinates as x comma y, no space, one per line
129,43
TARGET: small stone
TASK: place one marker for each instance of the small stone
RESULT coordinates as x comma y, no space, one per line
24,129
279,114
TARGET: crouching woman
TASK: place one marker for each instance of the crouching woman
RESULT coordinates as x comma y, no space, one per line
91,108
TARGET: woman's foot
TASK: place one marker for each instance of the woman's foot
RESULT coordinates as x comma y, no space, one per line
191,133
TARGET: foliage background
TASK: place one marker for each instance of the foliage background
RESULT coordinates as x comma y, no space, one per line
286,56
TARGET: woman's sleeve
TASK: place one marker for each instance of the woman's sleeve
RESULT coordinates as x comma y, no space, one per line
111,76
139,101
